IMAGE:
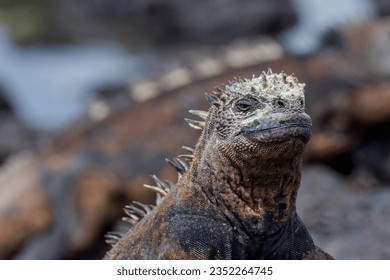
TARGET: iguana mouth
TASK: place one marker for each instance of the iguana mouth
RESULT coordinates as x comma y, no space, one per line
282,126
279,130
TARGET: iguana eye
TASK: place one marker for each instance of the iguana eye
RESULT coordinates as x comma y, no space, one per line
244,105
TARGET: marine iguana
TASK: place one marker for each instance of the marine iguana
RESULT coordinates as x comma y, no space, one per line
235,196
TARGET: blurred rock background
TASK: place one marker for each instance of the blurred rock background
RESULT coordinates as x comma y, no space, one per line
93,94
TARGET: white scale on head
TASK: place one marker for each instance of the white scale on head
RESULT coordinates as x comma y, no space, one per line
272,87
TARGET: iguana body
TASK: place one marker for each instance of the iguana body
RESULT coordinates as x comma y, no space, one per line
237,198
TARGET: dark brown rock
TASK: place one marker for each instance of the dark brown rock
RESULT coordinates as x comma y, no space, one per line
347,223
173,21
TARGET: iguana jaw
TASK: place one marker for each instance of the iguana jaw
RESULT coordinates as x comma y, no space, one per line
270,130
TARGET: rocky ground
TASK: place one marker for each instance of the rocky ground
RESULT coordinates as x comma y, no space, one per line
58,199
347,222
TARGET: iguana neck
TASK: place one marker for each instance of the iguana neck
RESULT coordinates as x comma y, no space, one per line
259,193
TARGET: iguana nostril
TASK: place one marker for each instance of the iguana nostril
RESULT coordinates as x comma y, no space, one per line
280,103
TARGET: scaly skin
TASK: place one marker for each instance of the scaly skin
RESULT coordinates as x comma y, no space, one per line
237,200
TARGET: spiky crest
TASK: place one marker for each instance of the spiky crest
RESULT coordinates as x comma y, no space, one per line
195,124
137,210
112,237
202,114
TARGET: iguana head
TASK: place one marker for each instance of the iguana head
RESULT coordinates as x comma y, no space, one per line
263,116
249,154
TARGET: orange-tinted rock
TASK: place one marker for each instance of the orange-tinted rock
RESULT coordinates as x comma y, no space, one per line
25,209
